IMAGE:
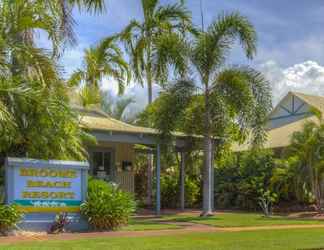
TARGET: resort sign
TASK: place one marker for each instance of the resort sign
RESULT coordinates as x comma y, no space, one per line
46,186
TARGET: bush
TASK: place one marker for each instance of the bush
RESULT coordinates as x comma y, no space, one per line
107,207
9,217
170,191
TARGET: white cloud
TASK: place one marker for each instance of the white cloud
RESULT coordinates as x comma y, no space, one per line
306,77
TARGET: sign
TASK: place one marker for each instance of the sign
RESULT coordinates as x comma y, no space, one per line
46,186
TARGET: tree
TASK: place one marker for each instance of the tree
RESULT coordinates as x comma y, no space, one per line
36,120
307,149
115,106
104,60
53,17
142,39
231,102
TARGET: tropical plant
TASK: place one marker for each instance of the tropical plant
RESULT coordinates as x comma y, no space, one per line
36,119
9,217
266,199
60,223
107,207
230,102
142,38
23,18
170,191
307,147
242,177
115,106
104,60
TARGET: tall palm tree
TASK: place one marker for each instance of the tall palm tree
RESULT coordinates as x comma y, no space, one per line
237,97
104,60
142,38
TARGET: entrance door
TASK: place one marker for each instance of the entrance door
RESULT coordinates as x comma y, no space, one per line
102,166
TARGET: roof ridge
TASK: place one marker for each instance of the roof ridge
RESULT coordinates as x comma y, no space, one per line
305,94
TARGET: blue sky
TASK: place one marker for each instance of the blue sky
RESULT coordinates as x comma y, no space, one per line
290,38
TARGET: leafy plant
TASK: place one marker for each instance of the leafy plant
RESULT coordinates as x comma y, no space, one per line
9,217
61,221
107,207
170,191
266,200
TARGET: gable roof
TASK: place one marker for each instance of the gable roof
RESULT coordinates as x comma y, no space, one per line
98,120
279,137
312,100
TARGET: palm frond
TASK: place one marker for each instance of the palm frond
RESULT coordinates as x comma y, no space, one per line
248,96
229,27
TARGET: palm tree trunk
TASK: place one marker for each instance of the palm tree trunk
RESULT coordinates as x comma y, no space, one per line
150,93
150,159
207,176
207,170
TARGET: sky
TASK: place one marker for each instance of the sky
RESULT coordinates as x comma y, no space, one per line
290,40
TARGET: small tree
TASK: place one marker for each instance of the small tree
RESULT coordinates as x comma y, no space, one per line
266,199
307,146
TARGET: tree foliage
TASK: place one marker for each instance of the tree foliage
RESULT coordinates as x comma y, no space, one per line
35,116
143,40
223,98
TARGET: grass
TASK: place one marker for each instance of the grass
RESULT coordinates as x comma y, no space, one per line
253,240
242,220
148,224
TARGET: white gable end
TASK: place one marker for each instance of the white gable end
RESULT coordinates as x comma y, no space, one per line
290,109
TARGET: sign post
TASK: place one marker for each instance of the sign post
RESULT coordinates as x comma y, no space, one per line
39,186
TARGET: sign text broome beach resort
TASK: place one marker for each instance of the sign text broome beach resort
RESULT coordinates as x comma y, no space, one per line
46,186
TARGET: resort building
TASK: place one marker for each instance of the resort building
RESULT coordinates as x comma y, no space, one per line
289,116
112,158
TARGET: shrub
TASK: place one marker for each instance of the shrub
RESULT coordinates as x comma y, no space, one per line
170,191
107,207
9,217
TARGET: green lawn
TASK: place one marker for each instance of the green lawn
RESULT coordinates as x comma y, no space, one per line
250,240
254,240
148,224
242,220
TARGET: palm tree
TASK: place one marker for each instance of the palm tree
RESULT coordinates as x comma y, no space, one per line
115,106
142,38
306,148
34,107
104,60
54,17
225,97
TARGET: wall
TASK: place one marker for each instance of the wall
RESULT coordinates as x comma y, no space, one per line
122,152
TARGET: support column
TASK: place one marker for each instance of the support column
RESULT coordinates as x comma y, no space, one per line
182,181
158,174
212,198
150,163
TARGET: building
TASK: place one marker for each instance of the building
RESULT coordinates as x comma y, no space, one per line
113,156
289,116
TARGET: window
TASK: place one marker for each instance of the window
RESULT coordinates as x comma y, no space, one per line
102,162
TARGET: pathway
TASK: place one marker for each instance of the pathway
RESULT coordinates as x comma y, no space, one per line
186,228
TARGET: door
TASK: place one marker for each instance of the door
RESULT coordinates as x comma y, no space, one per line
102,164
